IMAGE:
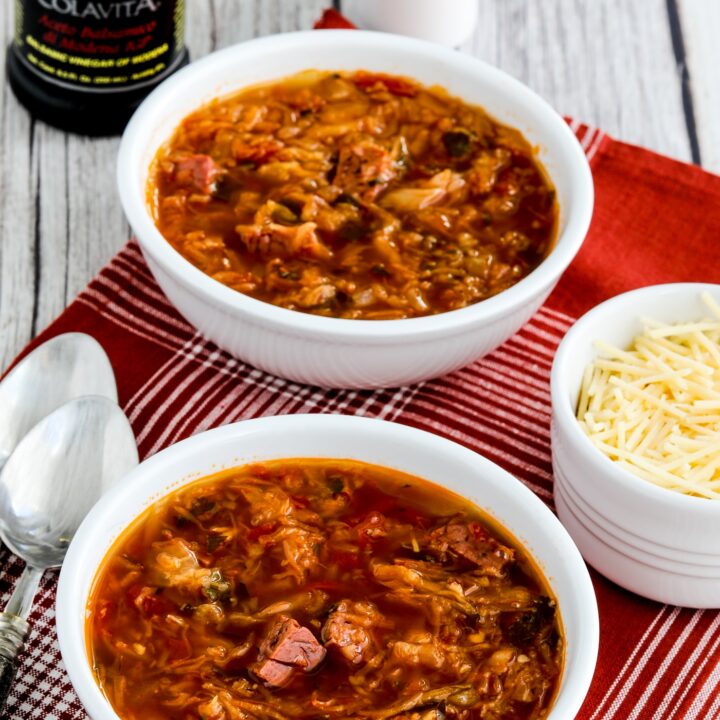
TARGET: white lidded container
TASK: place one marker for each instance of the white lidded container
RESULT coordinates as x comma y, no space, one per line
447,22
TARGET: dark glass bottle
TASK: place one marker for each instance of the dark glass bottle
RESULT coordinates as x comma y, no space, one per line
85,65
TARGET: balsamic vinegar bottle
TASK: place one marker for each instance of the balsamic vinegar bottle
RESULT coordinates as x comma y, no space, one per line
85,65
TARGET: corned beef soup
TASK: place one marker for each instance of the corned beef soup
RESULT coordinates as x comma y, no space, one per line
354,195
321,589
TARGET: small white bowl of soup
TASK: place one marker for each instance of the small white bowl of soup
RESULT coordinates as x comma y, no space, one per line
638,490
353,209
303,564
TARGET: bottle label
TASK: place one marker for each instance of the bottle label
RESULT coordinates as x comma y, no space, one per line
100,46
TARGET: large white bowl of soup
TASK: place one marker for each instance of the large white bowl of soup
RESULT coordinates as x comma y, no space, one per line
324,566
352,209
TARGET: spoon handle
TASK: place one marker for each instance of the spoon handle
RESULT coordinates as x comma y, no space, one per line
13,631
23,596
14,627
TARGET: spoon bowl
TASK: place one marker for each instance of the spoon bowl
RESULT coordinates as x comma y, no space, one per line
65,367
57,472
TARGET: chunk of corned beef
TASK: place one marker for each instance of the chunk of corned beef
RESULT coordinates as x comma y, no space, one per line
287,646
198,172
273,674
471,542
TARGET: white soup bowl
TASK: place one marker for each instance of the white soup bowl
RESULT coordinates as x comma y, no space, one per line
334,352
412,451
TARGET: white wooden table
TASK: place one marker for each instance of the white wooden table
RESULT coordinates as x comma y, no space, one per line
643,70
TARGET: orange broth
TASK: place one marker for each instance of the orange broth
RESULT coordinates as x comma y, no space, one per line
415,603
354,195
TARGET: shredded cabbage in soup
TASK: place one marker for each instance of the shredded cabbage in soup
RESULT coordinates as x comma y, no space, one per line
354,195
321,589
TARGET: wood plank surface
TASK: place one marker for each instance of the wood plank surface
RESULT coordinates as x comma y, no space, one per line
18,200
608,62
700,23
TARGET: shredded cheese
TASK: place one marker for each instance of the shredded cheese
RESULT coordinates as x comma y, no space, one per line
655,407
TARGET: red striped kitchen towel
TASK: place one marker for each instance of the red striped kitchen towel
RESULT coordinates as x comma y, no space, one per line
656,220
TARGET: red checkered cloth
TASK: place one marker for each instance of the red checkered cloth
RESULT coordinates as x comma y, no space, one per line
656,220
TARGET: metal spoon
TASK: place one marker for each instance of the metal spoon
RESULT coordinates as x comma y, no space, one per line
55,475
63,368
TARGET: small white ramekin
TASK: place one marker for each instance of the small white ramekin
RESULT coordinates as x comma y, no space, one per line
656,542
334,352
412,451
